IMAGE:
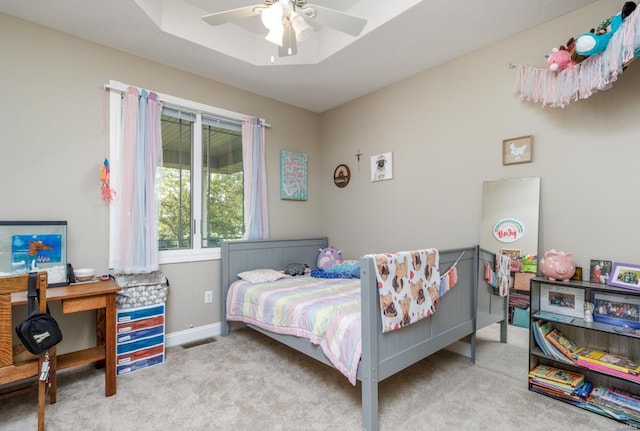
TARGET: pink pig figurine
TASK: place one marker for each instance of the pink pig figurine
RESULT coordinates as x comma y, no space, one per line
557,265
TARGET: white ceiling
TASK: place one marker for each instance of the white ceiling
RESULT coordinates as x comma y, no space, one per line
401,39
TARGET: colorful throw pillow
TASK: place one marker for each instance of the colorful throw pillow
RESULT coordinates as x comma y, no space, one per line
261,275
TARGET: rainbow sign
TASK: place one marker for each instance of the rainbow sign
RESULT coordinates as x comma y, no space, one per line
508,230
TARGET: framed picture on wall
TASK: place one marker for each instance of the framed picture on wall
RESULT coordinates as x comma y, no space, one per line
293,176
517,150
382,167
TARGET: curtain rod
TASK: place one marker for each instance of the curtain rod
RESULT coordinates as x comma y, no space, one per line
177,102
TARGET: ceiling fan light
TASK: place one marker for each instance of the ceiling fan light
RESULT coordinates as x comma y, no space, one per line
272,16
275,36
302,29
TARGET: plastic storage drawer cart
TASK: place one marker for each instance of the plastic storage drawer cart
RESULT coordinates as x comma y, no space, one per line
139,338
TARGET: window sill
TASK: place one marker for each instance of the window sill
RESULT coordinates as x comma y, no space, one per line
182,256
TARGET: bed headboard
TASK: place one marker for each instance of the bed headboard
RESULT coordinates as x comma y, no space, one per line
238,256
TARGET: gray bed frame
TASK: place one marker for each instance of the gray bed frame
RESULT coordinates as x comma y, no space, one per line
469,306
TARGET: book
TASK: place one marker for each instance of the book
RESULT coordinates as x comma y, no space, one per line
625,396
538,335
582,390
543,328
606,399
610,360
562,343
607,370
557,375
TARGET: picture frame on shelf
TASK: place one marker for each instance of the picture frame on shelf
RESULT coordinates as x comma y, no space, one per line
616,310
578,274
625,275
517,150
567,301
599,271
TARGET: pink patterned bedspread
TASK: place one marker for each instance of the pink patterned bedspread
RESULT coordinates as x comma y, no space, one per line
325,311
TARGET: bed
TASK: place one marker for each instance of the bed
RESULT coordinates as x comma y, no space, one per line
469,306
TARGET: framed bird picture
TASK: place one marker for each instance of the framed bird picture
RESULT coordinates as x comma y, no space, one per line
517,150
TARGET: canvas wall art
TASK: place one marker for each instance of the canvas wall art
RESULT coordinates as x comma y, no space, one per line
293,175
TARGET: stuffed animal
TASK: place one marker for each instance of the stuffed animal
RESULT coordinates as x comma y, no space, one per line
596,40
559,60
296,268
328,257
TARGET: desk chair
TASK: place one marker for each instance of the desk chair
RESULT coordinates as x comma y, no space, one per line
17,365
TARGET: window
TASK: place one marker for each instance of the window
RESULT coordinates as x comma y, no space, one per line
198,214
201,196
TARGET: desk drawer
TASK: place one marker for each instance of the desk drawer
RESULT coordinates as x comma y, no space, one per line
83,304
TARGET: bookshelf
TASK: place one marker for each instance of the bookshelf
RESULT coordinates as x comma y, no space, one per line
561,303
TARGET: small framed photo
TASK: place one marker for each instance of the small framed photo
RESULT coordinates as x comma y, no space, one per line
617,310
562,300
578,275
625,275
513,253
517,150
599,271
382,167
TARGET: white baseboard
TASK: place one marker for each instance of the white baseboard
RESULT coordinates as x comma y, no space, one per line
192,334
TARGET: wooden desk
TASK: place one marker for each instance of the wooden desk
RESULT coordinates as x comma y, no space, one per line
100,296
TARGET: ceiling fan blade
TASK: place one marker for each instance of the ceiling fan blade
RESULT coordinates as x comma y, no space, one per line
289,44
231,15
341,21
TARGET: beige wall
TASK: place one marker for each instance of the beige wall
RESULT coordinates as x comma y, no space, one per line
445,128
53,117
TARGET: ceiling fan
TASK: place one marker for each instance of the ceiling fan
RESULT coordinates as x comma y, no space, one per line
285,20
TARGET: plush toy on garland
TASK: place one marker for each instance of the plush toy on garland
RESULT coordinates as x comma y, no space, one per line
596,40
560,59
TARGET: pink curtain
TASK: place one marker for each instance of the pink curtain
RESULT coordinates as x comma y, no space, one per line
256,220
136,222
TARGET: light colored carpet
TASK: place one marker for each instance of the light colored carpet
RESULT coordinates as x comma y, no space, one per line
247,382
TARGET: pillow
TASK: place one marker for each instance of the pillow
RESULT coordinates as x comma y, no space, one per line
261,275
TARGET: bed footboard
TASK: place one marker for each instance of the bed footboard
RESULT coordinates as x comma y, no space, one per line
384,354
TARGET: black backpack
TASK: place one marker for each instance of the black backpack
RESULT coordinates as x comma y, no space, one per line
39,331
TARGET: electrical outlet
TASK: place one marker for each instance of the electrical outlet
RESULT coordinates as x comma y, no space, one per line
208,296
